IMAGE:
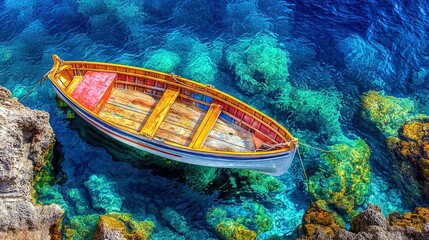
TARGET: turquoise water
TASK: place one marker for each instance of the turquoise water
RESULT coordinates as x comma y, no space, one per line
327,54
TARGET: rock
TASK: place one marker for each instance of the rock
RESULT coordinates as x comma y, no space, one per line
251,215
317,223
81,226
27,139
372,216
80,203
416,220
108,228
230,230
175,220
413,146
118,226
369,224
103,195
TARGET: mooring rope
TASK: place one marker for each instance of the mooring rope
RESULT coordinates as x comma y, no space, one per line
306,178
40,82
191,86
287,144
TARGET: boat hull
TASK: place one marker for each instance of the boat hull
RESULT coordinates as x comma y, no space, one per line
274,164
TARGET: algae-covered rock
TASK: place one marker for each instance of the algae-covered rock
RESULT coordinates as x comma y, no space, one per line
387,113
369,224
122,226
251,216
103,195
230,230
317,217
201,68
344,176
163,60
81,227
416,219
319,109
261,183
413,146
79,202
260,65
175,220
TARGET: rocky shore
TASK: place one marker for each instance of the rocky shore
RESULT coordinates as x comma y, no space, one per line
319,224
26,139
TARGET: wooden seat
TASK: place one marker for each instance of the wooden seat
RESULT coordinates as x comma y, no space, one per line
206,126
159,112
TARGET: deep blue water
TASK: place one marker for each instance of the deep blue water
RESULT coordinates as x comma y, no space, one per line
344,48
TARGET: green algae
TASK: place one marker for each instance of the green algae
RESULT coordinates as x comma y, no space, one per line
260,222
260,183
103,195
201,68
163,60
81,227
43,177
70,114
175,220
200,177
344,177
323,105
387,113
260,65
227,228
230,230
250,217
78,201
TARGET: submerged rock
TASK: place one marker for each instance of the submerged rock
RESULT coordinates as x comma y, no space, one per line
103,195
26,139
239,222
117,226
318,221
413,146
419,220
344,176
81,227
386,113
175,220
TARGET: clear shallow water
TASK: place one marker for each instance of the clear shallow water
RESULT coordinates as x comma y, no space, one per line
343,47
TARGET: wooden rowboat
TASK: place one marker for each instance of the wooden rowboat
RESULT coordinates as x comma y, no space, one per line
173,117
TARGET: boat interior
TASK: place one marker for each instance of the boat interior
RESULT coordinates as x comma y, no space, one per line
170,109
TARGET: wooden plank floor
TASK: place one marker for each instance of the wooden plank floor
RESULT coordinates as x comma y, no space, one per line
131,109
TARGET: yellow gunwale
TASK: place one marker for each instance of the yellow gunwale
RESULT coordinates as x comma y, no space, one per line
60,65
